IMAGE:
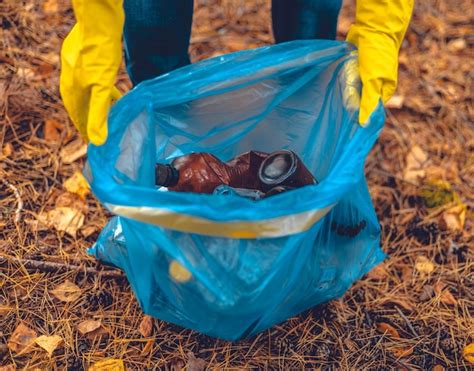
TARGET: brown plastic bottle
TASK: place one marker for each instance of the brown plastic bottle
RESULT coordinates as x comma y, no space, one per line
203,172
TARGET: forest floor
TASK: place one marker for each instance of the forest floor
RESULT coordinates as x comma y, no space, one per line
412,312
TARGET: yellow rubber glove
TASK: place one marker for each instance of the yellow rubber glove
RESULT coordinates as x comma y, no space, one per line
90,57
378,33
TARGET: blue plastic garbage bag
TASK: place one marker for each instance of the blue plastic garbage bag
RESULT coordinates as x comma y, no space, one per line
224,265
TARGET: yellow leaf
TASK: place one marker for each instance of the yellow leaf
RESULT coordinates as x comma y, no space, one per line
49,343
108,365
178,272
88,326
455,217
22,340
383,327
77,184
66,219
67,292
423,265
468,353
146,326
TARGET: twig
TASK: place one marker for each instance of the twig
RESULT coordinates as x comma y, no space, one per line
18,199
406,320
45,266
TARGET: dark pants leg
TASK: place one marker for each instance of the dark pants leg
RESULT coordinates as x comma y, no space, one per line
305,19
156,36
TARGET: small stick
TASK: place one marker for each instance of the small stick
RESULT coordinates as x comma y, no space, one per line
45,266
18,199
407,321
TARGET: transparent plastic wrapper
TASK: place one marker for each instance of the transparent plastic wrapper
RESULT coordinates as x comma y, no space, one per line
226,265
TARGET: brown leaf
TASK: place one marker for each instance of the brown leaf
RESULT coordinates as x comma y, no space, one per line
396,102
7,149
445,296
468,353
22,340
401,352
67,292
147,348
49,343
73,151
378,273
52,131
64,219
400,302
195,364
45,69
77,184
427,293
50,6
383,327
88,326
146,326
108,365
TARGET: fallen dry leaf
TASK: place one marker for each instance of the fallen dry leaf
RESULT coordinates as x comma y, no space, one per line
148,347
400,302
146,326
396,102
88,230
383,327
73,151
7,149
50,6
51,131
415,161
67,292
88,326
49,343
455,217
457,45
401,352
71,200
64,219
423,265
22,339
468,353
108,365
77,184
378,273
445,295
195,364
427,293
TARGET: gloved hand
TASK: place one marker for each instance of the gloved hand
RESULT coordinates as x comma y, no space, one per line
378,33
90,57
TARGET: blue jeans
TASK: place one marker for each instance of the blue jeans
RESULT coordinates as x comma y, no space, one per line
157,32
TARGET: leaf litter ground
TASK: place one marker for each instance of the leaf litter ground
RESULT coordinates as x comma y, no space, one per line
61,309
